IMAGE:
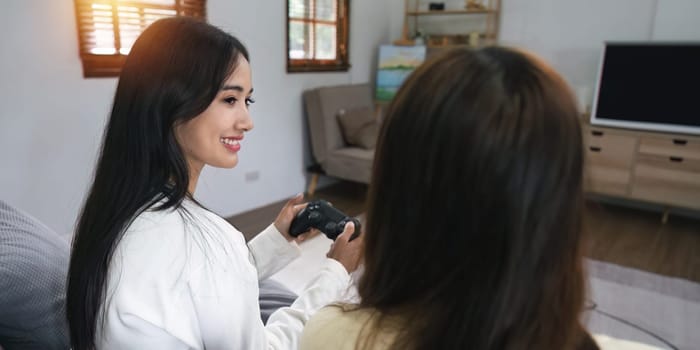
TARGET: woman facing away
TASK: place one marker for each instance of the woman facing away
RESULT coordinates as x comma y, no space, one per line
473,234
150,267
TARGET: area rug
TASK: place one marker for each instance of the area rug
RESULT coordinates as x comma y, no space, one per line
637,305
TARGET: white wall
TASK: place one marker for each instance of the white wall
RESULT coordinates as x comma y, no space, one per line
677,20
51,119
570,33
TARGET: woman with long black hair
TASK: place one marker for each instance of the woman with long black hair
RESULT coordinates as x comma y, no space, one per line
150,267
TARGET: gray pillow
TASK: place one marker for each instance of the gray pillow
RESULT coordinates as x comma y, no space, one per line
33,269
359,127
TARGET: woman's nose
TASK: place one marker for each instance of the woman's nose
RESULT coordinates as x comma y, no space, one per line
245,122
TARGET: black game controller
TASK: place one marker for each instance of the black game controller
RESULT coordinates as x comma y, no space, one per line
321,215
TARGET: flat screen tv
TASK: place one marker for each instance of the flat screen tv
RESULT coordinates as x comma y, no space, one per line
649,85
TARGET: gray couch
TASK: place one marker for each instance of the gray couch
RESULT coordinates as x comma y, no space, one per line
332,155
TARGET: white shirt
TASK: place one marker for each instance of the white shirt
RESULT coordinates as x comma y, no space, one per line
185,279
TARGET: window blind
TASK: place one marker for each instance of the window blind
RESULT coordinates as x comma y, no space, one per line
108,28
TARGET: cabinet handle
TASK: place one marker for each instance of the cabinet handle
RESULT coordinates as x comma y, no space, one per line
594,149
680,142
676,159
596,133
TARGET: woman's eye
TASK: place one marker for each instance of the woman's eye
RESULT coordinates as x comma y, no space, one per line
249,101
230,100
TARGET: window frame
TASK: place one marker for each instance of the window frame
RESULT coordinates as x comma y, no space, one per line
342,61
110,65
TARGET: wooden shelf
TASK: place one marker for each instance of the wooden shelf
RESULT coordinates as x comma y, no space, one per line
456,46
438,35
448,46
484,39
449,12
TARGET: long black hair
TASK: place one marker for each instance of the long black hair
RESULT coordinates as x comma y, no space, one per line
473,230
173,72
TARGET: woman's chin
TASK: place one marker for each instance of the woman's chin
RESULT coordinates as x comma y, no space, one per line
226,164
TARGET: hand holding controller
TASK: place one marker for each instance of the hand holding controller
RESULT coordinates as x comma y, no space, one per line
321,215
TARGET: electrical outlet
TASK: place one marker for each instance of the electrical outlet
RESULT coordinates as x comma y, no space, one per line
252,176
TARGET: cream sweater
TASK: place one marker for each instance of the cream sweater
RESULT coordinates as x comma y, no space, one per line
193,284
332,328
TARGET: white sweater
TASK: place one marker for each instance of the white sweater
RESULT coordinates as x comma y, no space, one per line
193,284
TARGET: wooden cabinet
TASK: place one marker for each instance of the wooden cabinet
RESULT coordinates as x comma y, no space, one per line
609,161
648,166
460,23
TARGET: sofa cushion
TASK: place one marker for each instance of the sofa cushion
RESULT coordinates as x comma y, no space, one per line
322,105
359,127
350,163
33,271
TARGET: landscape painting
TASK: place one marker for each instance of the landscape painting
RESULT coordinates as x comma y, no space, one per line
395,64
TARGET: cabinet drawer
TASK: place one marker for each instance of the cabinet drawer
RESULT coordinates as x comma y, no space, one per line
606,180
670,146
608,161
673,182
608,149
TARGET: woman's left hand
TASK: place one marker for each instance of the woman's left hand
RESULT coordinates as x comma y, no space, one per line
287,214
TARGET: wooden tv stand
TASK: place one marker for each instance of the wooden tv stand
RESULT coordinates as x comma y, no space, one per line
654,167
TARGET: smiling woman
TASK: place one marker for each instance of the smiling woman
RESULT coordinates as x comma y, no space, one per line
151,268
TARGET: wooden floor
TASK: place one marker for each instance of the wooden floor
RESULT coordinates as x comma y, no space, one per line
624,236
638,239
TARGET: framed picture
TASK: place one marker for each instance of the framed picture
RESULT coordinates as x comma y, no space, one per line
396,63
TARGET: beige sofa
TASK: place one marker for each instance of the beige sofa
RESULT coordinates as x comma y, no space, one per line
332,156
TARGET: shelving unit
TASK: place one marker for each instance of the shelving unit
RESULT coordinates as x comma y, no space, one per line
484,15
448,12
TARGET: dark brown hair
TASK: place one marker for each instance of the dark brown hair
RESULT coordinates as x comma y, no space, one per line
474,208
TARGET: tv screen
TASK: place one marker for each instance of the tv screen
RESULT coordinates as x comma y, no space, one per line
653,86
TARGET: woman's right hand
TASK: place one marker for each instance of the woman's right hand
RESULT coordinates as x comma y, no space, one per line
348,253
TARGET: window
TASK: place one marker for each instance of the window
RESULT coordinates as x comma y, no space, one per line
317,35
108,28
